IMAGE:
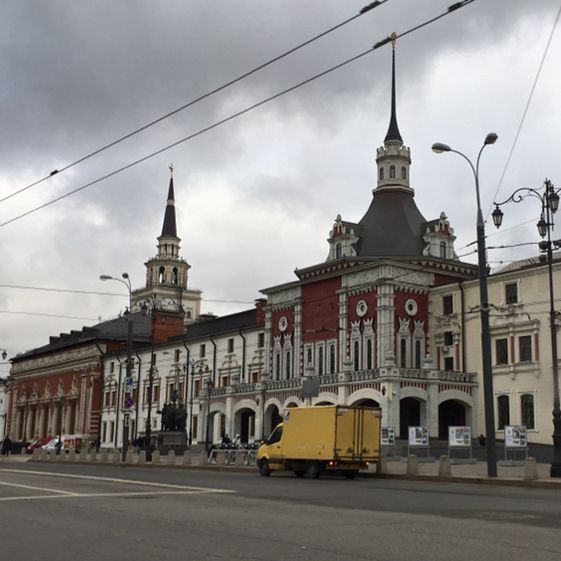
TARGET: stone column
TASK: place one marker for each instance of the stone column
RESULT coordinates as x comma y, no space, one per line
385,323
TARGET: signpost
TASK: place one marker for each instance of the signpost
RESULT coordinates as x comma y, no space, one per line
459,438
418,438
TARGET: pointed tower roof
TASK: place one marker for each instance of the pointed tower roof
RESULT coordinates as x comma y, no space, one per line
393,129
169,228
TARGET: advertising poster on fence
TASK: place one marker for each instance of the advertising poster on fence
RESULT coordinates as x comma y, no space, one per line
459,436
418,436
388,436
515,436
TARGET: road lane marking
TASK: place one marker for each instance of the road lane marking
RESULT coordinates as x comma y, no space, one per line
117,480
94,495
33,488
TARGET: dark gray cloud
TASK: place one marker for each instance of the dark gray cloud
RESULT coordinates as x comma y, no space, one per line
257,196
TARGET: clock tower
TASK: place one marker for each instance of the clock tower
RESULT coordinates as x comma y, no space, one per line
167,272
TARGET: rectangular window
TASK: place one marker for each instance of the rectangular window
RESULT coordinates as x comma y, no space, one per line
501,351
448,338
511,293
287,365
449,363
111,430
202,351
525,348
197,388
447,305
260,340
195,427
230,346
177,355
111,367
104,431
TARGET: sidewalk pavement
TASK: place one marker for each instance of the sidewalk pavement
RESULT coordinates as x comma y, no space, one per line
520,474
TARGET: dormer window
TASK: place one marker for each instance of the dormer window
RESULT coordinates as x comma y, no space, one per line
338,251
392,172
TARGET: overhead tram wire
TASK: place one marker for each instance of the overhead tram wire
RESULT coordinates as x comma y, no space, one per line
198,99
96,293
378,45
524,113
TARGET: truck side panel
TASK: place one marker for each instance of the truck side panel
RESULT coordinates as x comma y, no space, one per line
309,433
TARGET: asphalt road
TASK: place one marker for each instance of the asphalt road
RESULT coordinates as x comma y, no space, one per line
66,512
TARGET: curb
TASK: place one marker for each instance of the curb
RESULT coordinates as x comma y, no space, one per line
478,480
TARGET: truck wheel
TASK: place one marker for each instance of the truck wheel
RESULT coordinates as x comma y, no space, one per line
264,469
351,474
312,470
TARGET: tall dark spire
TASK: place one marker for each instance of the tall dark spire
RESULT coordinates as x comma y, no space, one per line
393,130
169,228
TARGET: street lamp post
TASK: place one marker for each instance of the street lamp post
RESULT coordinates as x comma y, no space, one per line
209,387
148,436
549,199
128,400
438,147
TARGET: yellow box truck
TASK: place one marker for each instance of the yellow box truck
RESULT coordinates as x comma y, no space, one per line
331,438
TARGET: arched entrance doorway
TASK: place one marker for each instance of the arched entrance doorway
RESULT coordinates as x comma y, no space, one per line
244,425
272,419
451,413
366,402
409,415
323,403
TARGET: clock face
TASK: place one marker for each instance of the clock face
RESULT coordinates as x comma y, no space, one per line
361,308
411,307
283,323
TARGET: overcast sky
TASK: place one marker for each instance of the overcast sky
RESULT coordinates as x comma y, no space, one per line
255,197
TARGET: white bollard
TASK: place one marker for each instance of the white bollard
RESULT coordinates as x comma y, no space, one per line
115,456
36,454
530,469
102,456
412,465
444,468
381,465
220,458
171,457
156,457
187,458
142,457
130,456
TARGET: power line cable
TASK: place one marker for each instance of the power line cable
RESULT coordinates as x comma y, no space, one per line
202,97
385,41
525,112
96,293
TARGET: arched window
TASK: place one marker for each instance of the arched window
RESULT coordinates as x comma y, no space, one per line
356,356
392,172
503,411
287,365
166,248
332,359
162,275
403,172
320,361
369,354
338,251
527,409
417,354
381,173
443,250
277,366
403,353
175,276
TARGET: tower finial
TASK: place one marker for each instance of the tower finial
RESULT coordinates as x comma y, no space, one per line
171,170
393,130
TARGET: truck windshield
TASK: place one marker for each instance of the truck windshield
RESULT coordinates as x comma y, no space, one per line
276,436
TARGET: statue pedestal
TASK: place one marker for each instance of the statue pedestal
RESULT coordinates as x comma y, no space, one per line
172,440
